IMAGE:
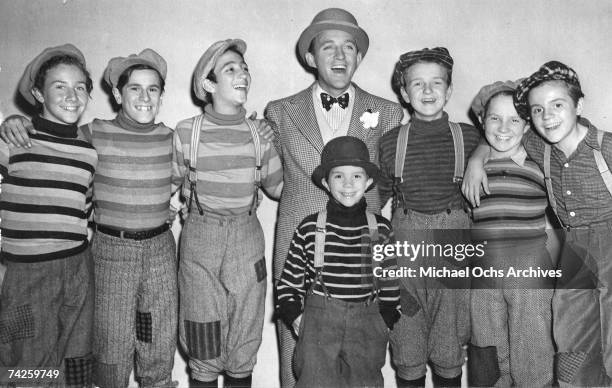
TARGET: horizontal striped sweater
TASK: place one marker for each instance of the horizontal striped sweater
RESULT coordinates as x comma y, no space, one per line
516,207
347,274
226,163
46,194
429,165
133,181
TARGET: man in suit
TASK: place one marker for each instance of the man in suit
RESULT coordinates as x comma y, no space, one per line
333,106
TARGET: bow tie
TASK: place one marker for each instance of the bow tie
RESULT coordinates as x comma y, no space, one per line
327,101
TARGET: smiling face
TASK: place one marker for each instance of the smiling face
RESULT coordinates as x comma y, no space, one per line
426,89
503,126
554,114
141,97
232,82
64,95
347,184
335,56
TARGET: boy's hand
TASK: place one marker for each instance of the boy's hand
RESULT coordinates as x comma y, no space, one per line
474,179
263,127
14,131
296,325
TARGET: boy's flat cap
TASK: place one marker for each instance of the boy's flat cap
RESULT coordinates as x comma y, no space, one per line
26,83
209,59
486,92
550,71
116,66
333,19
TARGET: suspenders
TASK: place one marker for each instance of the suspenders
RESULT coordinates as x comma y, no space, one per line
192,177
400,158
602,166
319,253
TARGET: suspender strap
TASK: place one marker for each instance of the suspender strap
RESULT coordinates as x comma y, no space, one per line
602,166
400,152
257,177
320,240
549,188
192,176
459,151
374,237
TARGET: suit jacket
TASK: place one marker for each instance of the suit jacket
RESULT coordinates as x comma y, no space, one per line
299,143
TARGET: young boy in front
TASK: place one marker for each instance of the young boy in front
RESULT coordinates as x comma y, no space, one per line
574,156
331,291
222,268
511,342
421,165
46,303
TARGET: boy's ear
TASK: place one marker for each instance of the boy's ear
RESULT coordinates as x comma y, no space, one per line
449,92
579,106
310,60
404,94
208,85
38,95
117,95
324,183
369,182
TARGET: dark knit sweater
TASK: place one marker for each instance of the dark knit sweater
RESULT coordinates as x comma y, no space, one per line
429,165
347,274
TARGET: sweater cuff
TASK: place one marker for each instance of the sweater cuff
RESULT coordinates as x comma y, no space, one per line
289,311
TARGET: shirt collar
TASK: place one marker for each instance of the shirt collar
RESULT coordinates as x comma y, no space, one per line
591,137
520,156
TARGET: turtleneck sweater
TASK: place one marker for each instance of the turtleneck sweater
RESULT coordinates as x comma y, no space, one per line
347,273
429,165
46,192
133,181
226,162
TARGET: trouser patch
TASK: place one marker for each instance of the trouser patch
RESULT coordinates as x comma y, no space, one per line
568,363
410,306
144,327
79,371
260,269
483,368
17,324
203,339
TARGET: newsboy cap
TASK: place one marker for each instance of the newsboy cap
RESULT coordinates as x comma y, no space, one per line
116,66
486,92
26,83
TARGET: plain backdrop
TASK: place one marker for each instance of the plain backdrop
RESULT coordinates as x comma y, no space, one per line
489,40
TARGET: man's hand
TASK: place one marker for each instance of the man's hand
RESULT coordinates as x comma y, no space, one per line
296,325
263,127
14,131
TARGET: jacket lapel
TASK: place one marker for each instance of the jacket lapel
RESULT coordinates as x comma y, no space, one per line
362,103
301,111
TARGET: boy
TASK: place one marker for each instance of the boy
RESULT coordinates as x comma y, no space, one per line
46,303
435,324
511,341
332,46
579,190
329,291
134,251
222,268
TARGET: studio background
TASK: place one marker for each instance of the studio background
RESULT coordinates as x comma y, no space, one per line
489,40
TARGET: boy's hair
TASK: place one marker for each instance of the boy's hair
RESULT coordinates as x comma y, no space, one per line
508,93
41,75
125,76
211,74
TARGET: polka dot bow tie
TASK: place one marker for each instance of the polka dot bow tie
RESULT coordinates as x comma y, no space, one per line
327,101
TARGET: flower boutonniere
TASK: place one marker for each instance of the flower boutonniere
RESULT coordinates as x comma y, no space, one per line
369,119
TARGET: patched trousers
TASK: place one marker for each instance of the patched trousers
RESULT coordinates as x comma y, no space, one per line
46,315
222,285
435,322
135,309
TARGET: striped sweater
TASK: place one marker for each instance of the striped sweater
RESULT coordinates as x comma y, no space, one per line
429,165
46,193
132,185
226,163
347,274
517,204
